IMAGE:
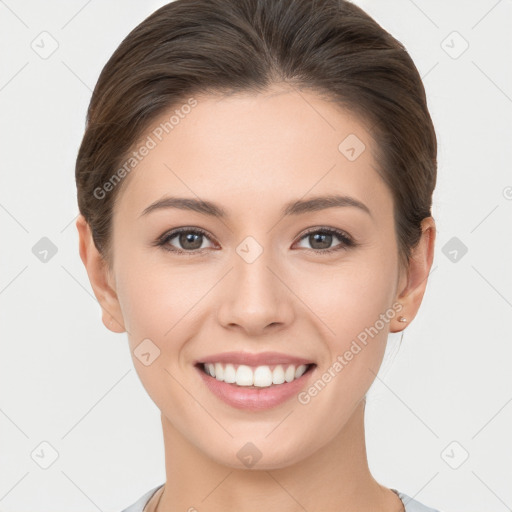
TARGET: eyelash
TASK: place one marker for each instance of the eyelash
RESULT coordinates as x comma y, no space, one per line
346,240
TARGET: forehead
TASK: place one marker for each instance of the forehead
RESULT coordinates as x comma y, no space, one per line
237,149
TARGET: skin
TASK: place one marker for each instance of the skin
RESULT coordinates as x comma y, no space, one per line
251,154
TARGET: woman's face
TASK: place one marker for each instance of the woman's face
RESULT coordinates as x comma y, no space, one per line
251,280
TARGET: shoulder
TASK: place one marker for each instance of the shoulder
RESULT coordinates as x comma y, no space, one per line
139,505
411,505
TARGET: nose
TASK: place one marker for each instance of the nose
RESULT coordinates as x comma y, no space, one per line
254,297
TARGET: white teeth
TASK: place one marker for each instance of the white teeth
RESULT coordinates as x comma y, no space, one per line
262,376
229,374
244,376
300,370
219,371
278,375
289,374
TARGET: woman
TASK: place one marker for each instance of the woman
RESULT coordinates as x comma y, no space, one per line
255,186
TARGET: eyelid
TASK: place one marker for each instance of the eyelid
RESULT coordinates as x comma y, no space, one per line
327,229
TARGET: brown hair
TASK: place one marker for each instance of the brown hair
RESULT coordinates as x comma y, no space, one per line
191,47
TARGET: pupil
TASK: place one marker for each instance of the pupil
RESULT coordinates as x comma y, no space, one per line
188,238
325,244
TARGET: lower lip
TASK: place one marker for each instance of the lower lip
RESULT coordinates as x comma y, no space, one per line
254,399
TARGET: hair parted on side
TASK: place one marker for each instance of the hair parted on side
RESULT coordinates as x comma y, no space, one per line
193,47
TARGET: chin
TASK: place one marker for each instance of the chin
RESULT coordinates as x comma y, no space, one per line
262,454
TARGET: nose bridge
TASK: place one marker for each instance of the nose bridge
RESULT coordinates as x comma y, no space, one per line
256,298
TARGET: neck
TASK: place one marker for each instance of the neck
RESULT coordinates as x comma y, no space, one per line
336,477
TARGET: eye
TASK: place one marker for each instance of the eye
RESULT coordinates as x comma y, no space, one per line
191,240
322,238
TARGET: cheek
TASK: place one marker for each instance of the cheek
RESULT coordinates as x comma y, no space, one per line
160,301
350,296
352,306
157,306
152,299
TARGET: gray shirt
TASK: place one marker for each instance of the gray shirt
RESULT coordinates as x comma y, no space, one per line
409,504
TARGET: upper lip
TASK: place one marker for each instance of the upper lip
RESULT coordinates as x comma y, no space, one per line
251,359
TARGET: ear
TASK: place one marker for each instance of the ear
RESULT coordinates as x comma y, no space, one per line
414,280
100,278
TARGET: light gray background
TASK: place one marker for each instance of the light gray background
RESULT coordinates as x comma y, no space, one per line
66,380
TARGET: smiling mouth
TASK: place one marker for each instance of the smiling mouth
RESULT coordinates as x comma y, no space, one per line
250,377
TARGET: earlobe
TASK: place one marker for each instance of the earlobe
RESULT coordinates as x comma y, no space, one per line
99,277
411,294
111,323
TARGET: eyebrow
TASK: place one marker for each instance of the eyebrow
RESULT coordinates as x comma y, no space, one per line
298,207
